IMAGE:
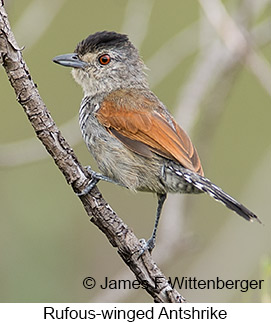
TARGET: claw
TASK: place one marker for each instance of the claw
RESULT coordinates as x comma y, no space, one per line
146,245
89,187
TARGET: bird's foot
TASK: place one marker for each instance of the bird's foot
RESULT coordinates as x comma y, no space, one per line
95,178
146,245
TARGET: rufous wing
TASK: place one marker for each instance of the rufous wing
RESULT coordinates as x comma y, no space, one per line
140,124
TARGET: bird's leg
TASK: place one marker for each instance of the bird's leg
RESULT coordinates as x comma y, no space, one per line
95,178
150,244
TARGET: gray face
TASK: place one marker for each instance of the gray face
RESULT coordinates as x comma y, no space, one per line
105,62
123,69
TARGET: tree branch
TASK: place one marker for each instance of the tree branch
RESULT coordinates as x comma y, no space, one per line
100,213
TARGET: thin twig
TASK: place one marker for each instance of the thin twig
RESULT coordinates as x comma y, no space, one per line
36,18
136,20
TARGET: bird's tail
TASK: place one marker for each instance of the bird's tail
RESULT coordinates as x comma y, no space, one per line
203,184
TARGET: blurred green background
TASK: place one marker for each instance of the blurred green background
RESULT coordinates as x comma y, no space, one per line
218,89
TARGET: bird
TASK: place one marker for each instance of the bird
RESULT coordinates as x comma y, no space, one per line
133,137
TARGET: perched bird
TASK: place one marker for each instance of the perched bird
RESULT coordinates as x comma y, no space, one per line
130,133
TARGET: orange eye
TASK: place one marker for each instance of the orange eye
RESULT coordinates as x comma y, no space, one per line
104,59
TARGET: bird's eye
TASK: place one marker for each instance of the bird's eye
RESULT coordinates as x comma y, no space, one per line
104,59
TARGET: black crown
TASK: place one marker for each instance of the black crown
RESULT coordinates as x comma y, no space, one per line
101,40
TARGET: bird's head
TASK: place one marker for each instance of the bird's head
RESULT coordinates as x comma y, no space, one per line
104,62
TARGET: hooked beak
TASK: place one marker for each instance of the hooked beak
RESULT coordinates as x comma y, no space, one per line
70,60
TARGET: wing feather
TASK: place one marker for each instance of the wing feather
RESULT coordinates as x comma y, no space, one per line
141,124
